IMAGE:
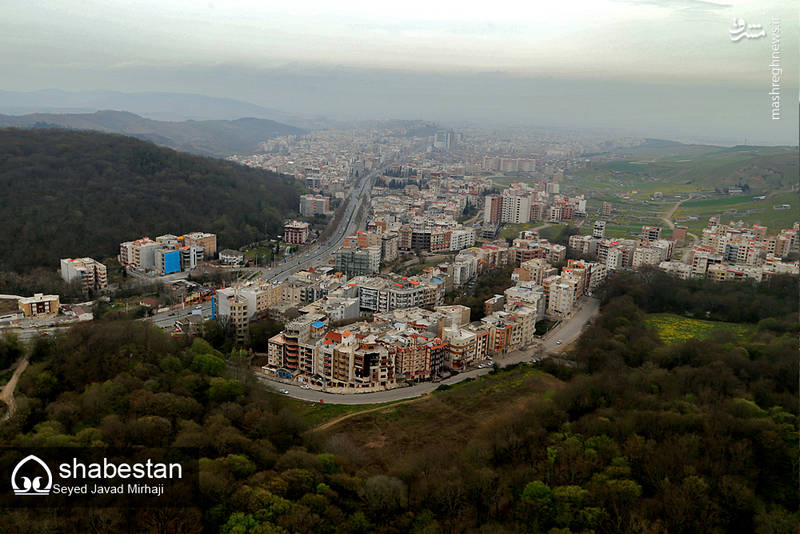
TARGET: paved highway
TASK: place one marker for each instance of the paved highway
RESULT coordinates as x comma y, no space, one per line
348,225
567,331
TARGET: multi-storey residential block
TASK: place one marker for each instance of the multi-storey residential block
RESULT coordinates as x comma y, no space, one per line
651,233
646,256
167,260
208,242
358,261
231,257
311,205
389,247
233,307
90,274
295,232
599,230
676,268
493,209
679,234
516,208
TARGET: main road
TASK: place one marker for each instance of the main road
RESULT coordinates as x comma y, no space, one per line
353,217
566,332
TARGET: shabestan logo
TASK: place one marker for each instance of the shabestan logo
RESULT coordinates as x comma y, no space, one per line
31,485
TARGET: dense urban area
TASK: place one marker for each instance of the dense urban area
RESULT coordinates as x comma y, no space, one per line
445,329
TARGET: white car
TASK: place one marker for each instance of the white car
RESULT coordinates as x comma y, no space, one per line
285,391
558,342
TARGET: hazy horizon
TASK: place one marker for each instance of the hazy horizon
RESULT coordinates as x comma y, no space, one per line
663,69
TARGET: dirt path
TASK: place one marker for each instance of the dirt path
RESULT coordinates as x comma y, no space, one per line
667,217
326,426
7,394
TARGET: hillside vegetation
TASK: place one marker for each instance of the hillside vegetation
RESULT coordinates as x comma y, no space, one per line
71,194
206,137
685,169
642,436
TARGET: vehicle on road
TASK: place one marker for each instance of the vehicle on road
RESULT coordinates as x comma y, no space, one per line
558,342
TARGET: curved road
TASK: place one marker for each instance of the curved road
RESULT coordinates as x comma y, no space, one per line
7,393
567,331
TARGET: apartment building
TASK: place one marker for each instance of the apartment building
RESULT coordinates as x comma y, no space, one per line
599,230
311,205
493,209
358,261
676,268
296,232
204,240
233,307
651,233
516,208
90,274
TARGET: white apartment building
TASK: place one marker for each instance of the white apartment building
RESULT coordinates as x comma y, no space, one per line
516,209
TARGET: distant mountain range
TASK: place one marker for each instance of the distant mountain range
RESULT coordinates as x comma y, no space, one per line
152,105
206,137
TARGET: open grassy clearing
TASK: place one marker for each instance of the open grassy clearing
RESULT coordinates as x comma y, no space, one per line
681,169
450,415
676,329
745,208
316,413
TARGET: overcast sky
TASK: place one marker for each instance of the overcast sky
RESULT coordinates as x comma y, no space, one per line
654,68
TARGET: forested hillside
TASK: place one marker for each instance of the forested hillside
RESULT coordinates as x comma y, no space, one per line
640,437
71,194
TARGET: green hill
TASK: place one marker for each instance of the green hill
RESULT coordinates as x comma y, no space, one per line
207,138
70,194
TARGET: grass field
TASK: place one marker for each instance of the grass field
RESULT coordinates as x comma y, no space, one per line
511,231
446,416
745,208
685,169
676,329
679,170
315,413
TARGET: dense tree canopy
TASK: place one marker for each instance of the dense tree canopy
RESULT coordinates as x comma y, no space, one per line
74,193
640,436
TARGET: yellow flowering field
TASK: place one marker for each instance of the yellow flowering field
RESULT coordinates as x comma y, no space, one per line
676,329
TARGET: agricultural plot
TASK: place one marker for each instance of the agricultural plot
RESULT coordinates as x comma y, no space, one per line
676,329
745,208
